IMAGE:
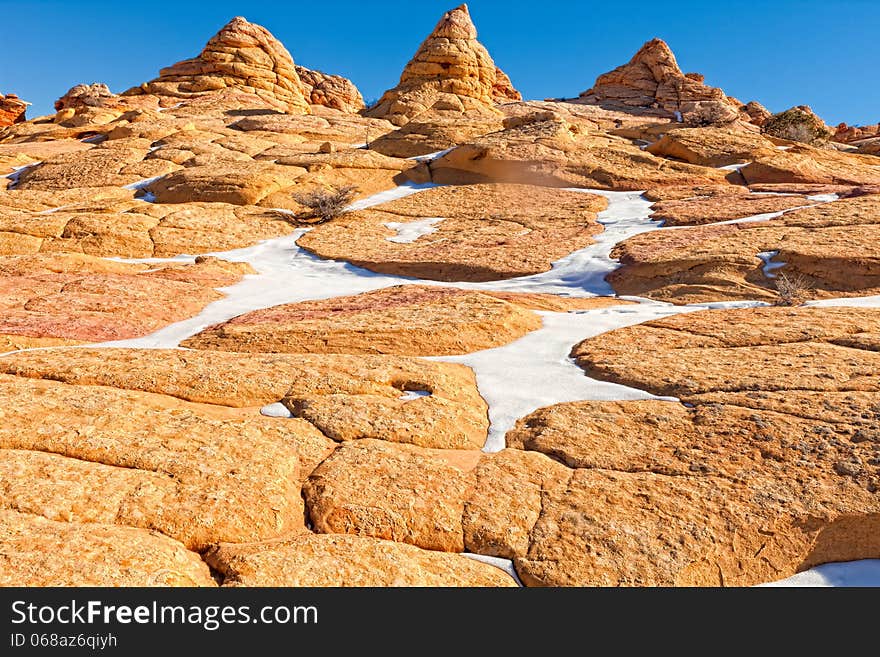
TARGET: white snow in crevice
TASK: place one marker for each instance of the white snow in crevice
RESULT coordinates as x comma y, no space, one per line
276,409
412,395
401,191
140,186
16,174
782,148
165,109
865,572
734,167
94,139
770,266
502,564
583,272
823,198
410,231
847,302
536,370
429,157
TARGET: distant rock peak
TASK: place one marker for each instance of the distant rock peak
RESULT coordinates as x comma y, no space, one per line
451,73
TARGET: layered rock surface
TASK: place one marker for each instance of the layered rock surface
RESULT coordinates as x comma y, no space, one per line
67,298
753,482
334,560
451,73
12,109
548,151
346,398
241,55
653,80
829,248
483,232
409,320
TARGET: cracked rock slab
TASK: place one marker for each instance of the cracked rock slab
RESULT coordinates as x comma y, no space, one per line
342,560
39,552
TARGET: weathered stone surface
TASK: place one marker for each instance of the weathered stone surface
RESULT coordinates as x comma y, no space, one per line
798,124
12,110
528,228
711,147
408,320
109,222
96,94
38,552
451,73
111,164
830,247
846,134
238,183
506,499
346,398
395,492
708,206
652,79
337,560
754,349
82,298
560,154
241,55
434,134
330,90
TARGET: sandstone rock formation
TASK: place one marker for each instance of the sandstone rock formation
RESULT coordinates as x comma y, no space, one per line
737,489
330,90
39,552
346,398
830,248
108,222
451,73
76,298
12,109
798,124
683,206
539,150
846,134
805,164
410,320
484,232
652,80
96,94
711,147
334,560
241,55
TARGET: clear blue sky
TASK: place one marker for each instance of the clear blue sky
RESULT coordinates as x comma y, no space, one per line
779,52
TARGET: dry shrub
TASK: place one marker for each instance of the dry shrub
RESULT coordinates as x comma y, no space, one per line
326,204
792,290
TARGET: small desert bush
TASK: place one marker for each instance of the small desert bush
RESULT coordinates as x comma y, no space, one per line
326,204
792,290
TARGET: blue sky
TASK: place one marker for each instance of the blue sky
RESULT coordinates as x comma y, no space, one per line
780,52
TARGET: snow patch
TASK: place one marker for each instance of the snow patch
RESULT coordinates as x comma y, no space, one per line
431,156
410,231
412,395
823,198
734,167
141,185
865,572
769,267
16,174
276,410
503,564
536,370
